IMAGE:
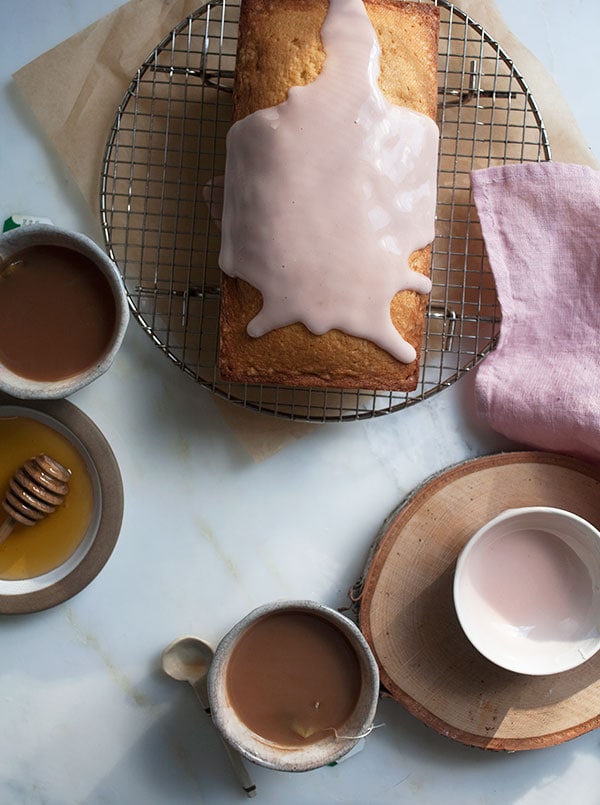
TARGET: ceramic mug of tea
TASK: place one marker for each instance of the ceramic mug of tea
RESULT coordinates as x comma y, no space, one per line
293,686
63,312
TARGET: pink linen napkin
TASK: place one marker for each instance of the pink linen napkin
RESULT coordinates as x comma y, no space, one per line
541,226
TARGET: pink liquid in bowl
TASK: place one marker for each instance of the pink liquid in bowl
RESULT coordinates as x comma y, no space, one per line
527,590
533,581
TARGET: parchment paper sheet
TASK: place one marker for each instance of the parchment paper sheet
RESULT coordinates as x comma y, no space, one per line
75,88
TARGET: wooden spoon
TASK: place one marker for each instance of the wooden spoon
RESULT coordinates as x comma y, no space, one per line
188,659
36,490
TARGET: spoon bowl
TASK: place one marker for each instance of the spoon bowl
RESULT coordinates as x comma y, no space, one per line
187,659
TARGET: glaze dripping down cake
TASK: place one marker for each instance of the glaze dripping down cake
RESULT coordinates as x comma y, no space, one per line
329,203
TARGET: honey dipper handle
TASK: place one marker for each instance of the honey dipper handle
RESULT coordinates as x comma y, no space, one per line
6,528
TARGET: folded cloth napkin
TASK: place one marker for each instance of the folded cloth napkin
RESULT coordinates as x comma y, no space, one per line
541,226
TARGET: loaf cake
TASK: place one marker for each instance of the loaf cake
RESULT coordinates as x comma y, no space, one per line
280,47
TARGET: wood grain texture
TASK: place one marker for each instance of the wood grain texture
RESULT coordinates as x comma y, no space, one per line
407,611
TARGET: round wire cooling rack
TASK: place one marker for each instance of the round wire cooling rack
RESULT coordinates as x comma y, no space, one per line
167,144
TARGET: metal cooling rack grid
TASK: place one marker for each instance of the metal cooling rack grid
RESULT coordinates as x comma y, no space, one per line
168,143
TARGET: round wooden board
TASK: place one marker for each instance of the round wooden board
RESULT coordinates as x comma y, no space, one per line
407,614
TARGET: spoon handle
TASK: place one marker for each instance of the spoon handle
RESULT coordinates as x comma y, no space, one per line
240,770
234,757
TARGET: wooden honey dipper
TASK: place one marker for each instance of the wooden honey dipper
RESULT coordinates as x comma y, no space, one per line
35,490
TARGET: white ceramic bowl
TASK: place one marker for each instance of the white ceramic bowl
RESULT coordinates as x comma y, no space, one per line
527,590
16,241
296,758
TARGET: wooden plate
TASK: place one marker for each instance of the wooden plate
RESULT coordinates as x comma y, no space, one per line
406,609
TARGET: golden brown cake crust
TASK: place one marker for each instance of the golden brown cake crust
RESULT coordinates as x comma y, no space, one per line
279,46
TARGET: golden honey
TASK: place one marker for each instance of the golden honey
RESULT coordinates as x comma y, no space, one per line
33,550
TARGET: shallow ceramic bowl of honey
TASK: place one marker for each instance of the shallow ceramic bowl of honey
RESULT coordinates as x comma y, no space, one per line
293,686
527,590
47,563
63,312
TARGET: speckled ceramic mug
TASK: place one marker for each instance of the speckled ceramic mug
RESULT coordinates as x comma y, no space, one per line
89,257
332,744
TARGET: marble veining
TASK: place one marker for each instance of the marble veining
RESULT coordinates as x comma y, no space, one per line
209,533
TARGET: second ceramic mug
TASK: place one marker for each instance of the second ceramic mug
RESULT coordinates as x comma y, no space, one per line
63,312
293,686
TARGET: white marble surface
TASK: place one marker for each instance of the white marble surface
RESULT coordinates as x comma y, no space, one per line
86,715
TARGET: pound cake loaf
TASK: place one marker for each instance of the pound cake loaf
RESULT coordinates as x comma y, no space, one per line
280,46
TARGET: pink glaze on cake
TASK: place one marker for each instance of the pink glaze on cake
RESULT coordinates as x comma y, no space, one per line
329,193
